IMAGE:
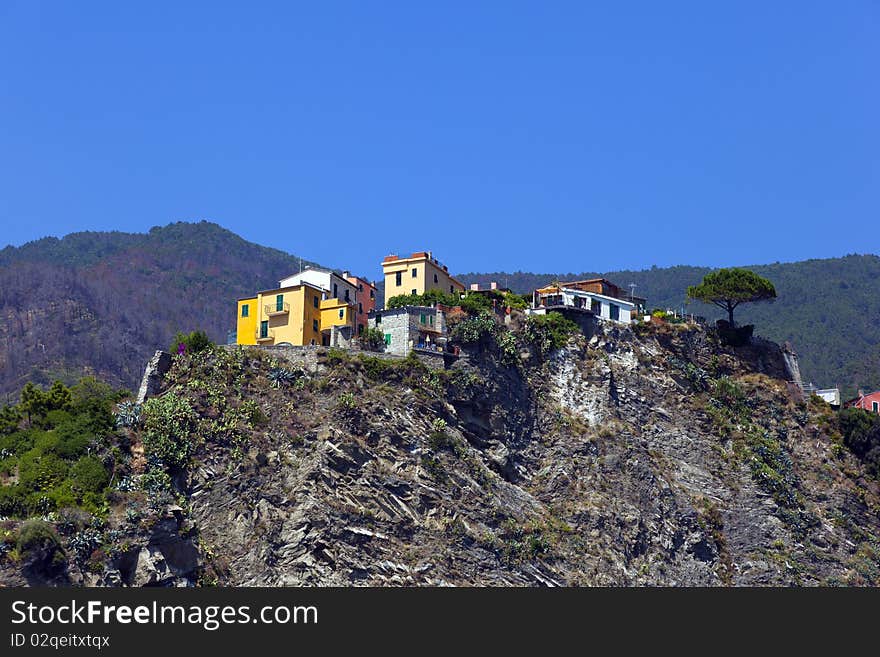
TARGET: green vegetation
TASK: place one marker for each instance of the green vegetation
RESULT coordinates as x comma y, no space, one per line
470,303
190,343
372,339
728,288
59,453
548,332
169,431
861,434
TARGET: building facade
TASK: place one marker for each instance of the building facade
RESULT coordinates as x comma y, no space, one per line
287,314
601,305
869,402
332,283
411,327
366,299
417,274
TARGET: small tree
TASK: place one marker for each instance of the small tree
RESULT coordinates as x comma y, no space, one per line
727,288
372,339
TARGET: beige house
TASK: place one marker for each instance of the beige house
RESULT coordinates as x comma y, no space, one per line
417,274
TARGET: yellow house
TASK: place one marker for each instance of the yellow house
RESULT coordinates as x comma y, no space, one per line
416,275
288,314
337,312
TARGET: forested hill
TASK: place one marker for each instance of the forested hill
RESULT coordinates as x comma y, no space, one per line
102,302
828,309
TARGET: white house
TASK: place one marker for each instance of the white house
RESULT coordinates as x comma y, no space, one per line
334,285
601,305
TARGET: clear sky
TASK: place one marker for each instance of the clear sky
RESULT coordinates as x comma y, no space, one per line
539,136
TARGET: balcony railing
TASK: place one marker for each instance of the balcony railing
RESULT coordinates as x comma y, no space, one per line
264,336
272,309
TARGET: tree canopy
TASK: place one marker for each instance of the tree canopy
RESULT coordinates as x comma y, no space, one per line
728,288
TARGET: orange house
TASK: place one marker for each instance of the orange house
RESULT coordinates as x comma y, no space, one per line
365,298
869,402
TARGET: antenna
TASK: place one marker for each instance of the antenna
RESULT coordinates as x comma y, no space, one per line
632,291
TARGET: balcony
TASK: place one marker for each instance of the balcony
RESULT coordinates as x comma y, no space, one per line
268,336
271,310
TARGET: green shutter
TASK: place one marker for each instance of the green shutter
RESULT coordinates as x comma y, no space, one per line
388,339
279,302
244,310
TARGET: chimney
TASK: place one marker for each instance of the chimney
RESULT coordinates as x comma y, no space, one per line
475,286
493,285
346,274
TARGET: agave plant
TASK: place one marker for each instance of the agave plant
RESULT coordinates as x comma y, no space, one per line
283,377
128,414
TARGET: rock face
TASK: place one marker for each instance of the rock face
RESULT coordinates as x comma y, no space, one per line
652,456
625,459
156,368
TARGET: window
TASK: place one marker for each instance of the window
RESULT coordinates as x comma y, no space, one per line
415,272
875,406
414,292
436,280
360,288
398,278
335,291
341,313
451,290
378,318
372,294
388,339
245,309
596,307
279,302
315,301
312,342
360,329
614,312
422,318
315,324
346,295
264,329
360,308
431,319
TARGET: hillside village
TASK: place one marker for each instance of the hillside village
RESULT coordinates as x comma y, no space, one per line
320,307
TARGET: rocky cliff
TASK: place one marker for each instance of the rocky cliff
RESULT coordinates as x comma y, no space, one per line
649,457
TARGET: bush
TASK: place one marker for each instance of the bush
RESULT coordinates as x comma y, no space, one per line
546,333
190,343
475,330
373,339
39,471
169,430
88,475
36,536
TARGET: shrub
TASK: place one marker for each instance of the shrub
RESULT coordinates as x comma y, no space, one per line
39,471
35,536
372,339
475,330
169,430
88,475
190,343
860,429
546,333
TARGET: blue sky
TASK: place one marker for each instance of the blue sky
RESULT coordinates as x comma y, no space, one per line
539,136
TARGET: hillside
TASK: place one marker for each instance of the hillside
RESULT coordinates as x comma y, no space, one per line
102,303
828,309
648,457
